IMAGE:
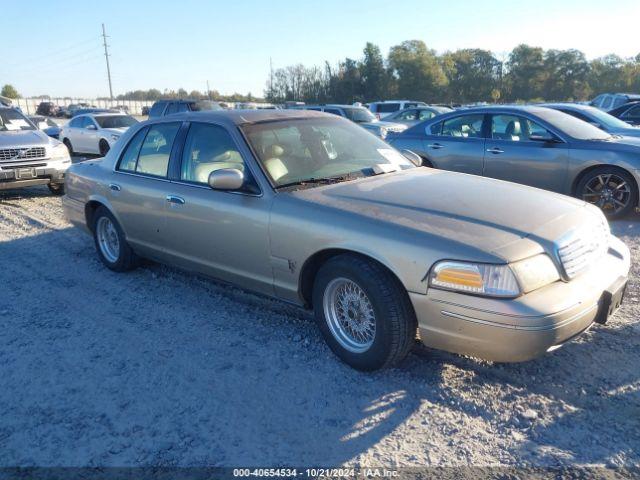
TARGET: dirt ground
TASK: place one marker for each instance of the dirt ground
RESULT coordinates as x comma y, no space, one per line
158,367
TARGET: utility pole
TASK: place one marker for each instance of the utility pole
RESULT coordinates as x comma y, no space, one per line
208,91
106,56
271,78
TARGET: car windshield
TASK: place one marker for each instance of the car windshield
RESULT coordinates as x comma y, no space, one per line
605,119
11,120
572,126
296,151
359,114
115,121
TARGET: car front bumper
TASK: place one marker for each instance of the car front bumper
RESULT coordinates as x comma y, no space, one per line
516,330
46,172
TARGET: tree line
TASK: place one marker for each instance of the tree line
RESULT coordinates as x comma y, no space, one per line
413,71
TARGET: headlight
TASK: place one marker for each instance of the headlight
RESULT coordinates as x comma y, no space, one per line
60,152
495,280
477,278
114,137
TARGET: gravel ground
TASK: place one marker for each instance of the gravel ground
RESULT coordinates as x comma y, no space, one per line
158,367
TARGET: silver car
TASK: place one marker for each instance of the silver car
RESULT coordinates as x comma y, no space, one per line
28,156
412,116
311,209
535,146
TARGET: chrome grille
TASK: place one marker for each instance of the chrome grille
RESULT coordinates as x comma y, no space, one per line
17,154
583,246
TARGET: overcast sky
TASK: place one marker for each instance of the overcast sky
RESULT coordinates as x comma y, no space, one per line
55,47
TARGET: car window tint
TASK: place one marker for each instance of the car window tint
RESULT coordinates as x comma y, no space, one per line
388,107
467,126
618,101
409,115
206,149
435,129
172,108
315,109
332,111
130,155
75,122
426,115
156,149
633,112
156,109
183,107
607,102
514,128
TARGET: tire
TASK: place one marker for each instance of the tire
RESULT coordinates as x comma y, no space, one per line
338,282
67,142
104,147
111,244
56,189
426,162
611,189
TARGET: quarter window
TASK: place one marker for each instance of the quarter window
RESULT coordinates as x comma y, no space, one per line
156,109
208,148
172,108
466,126
130,155
606,104
387,107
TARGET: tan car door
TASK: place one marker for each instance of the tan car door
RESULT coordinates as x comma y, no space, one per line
219,233
139,187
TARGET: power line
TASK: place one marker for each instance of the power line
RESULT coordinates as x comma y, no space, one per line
106,56
54,54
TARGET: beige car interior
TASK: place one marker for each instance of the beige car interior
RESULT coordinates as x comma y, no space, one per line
206,152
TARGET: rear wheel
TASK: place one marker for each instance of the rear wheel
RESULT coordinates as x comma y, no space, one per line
111,244
363,312
104,147
611,189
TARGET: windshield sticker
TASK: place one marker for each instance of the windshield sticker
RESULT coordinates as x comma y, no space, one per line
11,126
19,123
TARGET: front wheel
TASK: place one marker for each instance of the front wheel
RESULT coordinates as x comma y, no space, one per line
67,143
111,244
363,312
56,188
611,189
103,146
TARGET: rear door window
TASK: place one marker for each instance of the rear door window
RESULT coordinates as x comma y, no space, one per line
465,126
388,107
129,157
183,107
172,108
156,149
156,109
606,104
633,112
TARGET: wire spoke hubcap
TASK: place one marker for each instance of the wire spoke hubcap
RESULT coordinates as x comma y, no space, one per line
608,191
349,315
108,239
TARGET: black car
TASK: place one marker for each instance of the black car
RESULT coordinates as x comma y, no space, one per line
145,110
48,109
611,101
629,112
168,107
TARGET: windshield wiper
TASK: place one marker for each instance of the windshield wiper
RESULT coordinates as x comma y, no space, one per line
318,181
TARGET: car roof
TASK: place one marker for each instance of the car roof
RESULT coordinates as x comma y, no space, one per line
500,108
242,117
568,105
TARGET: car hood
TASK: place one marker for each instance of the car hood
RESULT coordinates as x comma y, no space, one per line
627,132
483,214
23,138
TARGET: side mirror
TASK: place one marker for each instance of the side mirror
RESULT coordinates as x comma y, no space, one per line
412,157
91,127
543,138
226,179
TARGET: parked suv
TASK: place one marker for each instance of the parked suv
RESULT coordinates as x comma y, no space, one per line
168,107
609,101
382,109
28,156
361,116
47,109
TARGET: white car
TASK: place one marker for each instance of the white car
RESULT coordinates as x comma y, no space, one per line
382,109
95,132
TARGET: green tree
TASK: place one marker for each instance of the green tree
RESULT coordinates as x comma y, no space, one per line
526,73
419,75
9,91
473,75
375,78
566,75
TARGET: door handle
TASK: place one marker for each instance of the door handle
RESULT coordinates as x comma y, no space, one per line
174,199
115,187
495,150
435,146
